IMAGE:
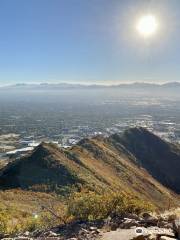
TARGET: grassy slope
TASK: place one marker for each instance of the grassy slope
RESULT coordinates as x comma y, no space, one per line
120,172
97,164
26,201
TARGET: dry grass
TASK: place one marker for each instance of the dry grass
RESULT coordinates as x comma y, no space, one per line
119,173
27,210
174,212
101,168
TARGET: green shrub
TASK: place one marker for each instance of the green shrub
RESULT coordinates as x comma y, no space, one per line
92,206
80,206
4,218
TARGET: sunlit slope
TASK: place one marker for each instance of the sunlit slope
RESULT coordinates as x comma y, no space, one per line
98,164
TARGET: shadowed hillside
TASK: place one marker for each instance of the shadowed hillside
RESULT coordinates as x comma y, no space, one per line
160,158
98,164
41,168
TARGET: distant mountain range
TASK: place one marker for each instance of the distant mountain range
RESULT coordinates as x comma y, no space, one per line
57,86
136,161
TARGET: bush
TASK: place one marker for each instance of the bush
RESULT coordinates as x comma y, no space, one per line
80,206
4,218
93,206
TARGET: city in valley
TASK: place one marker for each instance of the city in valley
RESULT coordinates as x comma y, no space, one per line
64,116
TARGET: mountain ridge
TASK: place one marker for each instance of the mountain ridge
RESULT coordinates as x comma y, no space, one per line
160,158
98,164
58,86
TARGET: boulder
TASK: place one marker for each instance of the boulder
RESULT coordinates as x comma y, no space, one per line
146,215
128,223
176,228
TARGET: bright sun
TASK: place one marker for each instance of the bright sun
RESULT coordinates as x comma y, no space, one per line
147,25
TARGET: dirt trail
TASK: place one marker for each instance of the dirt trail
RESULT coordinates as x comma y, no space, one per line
123,234
128,234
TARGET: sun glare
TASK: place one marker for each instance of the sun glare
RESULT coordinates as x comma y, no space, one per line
147,25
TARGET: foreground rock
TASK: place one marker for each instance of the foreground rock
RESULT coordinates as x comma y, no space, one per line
127,227
176,227
153,233
145,228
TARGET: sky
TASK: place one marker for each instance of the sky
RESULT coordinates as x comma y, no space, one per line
87,41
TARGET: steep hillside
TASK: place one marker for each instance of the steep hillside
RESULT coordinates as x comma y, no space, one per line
160,158
98,164
44,169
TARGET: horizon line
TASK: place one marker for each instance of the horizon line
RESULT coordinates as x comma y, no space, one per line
86,83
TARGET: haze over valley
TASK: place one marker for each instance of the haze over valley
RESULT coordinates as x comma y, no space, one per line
66,113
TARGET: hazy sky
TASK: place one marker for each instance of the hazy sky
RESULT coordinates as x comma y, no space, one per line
87,41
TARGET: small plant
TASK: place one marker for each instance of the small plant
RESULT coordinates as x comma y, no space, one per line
4,218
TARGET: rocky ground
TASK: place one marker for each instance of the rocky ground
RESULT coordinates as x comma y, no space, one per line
131,226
